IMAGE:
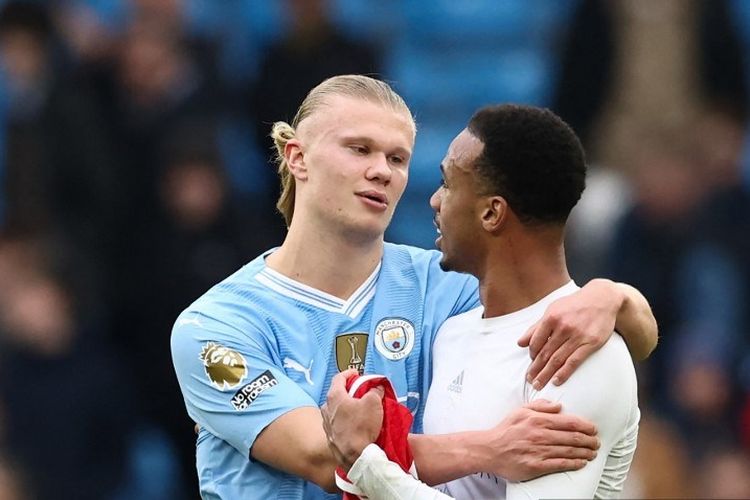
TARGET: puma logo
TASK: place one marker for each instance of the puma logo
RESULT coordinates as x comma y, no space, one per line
290,363
191,321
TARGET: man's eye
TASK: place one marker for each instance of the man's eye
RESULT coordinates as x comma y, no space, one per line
397,160
361,150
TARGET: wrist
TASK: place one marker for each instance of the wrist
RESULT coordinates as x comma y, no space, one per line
440,458
478,453
352,454
612,291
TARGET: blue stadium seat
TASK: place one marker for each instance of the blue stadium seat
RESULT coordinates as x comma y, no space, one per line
376,21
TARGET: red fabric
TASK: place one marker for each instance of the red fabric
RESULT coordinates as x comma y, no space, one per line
397,419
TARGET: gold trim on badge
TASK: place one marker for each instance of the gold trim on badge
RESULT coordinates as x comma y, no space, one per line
224,367
351,349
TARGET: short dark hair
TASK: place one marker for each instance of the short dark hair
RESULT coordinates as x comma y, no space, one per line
532,158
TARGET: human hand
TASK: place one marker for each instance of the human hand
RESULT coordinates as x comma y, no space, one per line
351,424
572,328
536,440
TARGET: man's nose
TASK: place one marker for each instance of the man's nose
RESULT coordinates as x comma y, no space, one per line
379,169
435,199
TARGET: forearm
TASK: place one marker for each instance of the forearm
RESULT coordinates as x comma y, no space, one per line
636,322
296,443
445,457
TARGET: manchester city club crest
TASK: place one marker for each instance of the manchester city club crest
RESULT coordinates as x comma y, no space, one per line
394,338
351,349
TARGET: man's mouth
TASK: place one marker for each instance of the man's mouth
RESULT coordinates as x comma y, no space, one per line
374,196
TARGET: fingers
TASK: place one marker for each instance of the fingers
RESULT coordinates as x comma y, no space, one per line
338,385
571,423
565,439
546,415
548,353
572,363
540,332
374,395
339,380
542,405
372,401
524,340
547,363
555,339
553,465
568,452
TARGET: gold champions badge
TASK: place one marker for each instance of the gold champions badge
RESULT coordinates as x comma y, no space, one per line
351,349
224,367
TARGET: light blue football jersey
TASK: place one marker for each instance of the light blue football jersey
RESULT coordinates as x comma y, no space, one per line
259,344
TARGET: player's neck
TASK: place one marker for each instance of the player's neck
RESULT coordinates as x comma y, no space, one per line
326,261
521,277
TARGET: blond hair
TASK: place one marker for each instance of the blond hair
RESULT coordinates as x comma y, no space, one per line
356,86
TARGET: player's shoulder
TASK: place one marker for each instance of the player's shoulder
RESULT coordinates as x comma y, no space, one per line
232,305
460,322
608,373
613,355
405,255
238,289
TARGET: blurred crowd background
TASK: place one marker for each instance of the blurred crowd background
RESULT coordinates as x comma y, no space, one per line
134,174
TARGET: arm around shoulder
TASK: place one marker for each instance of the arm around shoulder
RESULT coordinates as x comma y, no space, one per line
636,322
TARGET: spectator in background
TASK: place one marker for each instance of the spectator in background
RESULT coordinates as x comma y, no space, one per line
152,86
66,403
205,233
649,239
712,376
177,224
311,51
673,68
632,71
630,67
89,35
57,168
201,235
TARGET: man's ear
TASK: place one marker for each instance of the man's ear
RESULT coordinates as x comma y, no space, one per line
494,213
295,159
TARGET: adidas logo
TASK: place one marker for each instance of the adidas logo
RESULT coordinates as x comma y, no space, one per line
457,385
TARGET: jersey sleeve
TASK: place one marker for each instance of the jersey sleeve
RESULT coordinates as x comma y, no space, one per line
231,382
381,479
604,391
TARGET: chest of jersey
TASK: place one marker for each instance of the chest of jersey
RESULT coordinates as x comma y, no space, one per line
313,345
478,378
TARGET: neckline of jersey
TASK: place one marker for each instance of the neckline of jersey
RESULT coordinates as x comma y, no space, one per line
534,311
292,288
